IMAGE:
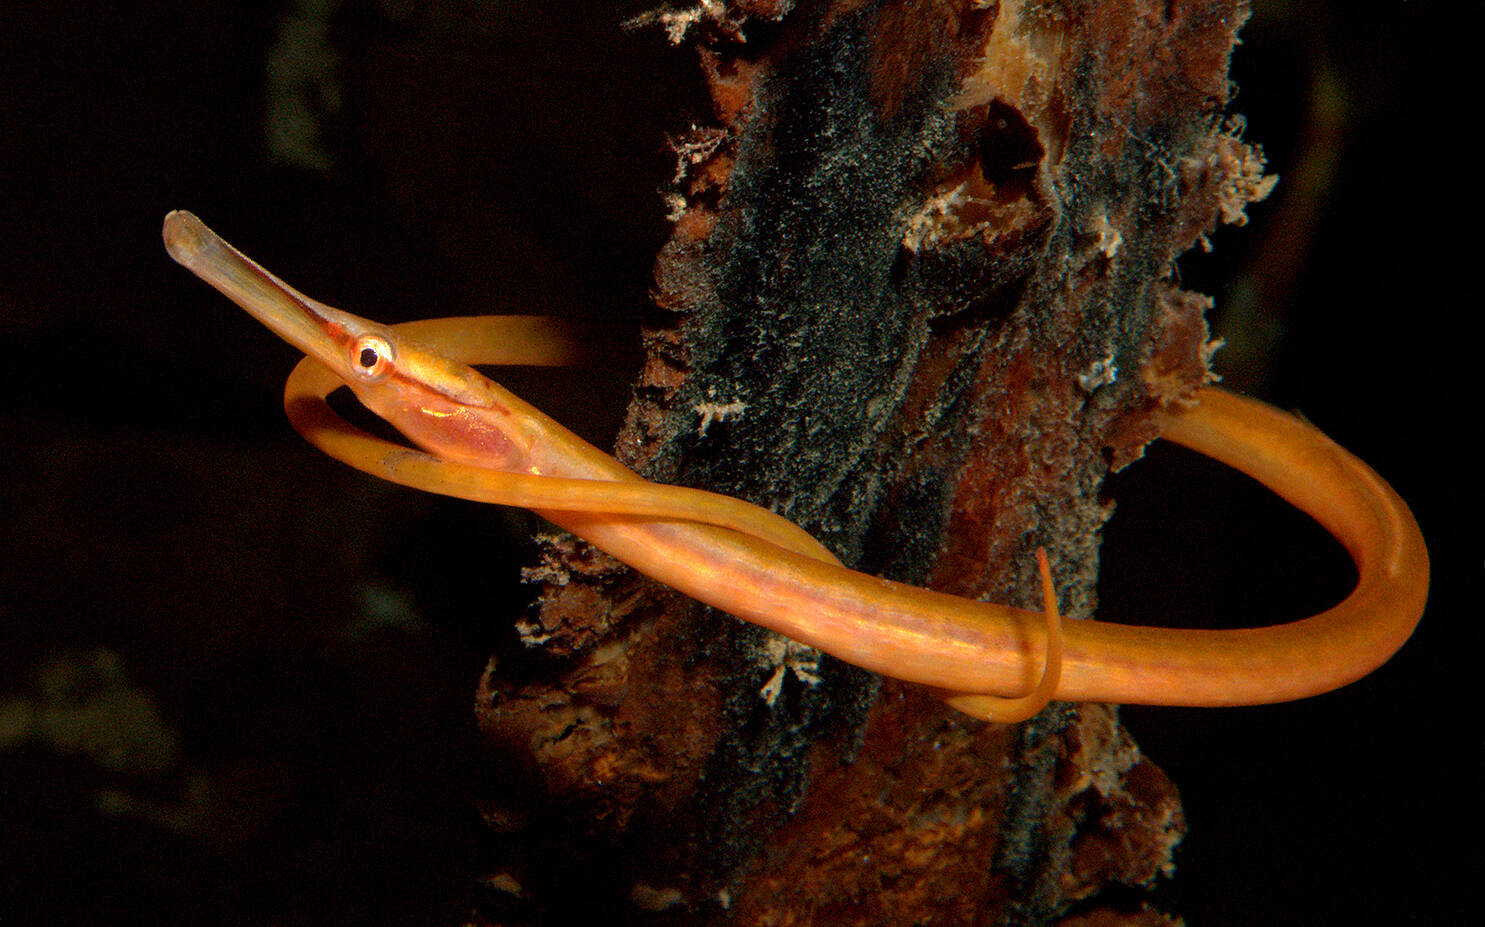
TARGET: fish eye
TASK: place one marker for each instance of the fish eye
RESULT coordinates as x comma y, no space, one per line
371,358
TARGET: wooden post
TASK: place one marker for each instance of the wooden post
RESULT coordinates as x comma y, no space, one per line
918,299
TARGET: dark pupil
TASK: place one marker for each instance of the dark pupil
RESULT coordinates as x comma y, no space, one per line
368,358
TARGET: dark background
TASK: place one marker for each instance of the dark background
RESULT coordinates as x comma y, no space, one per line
236,678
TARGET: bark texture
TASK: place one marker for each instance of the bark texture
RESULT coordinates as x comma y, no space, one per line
919,300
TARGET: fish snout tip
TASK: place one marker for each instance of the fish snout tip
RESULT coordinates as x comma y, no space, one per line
185,236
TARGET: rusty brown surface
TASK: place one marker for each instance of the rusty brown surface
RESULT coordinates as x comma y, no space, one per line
928,246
